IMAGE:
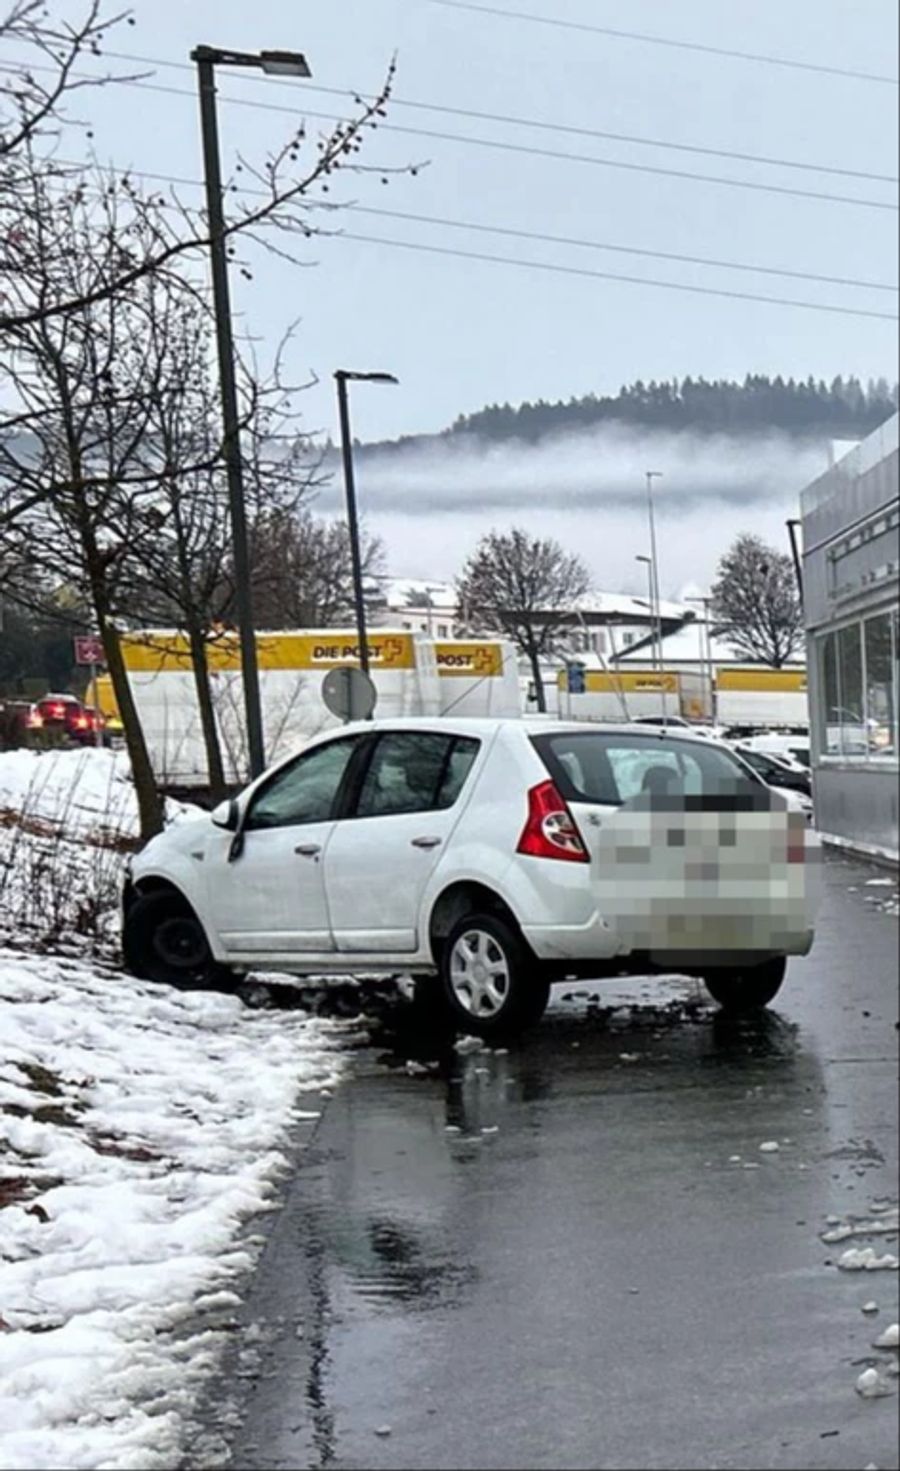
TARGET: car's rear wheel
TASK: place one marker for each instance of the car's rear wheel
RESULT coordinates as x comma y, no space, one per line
747,989
490,979
164,941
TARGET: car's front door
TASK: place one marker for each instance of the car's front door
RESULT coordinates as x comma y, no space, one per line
383,853
270,898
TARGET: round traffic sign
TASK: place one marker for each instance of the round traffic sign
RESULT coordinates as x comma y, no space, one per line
349,694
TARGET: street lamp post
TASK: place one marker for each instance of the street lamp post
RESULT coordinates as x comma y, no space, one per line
342,378
649,563
706,603
652,475
275,63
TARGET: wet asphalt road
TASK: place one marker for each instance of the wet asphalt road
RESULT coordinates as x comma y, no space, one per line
576,1255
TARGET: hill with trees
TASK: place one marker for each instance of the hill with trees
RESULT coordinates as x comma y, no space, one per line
808,409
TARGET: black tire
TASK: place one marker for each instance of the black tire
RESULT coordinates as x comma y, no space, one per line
509,996
749,989
164,941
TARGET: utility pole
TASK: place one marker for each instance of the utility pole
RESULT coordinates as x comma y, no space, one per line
276,63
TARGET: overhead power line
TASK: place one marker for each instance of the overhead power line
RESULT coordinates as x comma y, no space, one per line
584,26
481,227
505,147
504,260
539,124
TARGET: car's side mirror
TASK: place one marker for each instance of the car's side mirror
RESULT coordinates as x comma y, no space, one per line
226,815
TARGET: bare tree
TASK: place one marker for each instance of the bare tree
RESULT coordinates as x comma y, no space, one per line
184,575
525,587
47,49
301,569
280,207
755,601
77,496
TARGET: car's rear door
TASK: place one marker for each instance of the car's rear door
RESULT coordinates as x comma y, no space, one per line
690,852
383,852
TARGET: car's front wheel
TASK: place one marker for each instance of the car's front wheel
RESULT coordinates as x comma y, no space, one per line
163,940
748,989
490,979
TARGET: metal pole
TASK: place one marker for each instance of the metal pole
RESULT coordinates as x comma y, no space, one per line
352,522
792,525
655,654
231,445
651,476
98,728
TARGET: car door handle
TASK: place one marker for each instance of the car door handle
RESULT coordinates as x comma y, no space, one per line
425,842
308,850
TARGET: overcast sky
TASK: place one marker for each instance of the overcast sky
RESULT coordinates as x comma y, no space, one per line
459,332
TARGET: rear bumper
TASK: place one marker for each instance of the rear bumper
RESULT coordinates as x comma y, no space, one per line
599,941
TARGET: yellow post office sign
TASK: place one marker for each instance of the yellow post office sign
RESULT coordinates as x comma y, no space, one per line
471,660
159,652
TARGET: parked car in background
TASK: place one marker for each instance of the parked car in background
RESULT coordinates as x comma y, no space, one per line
20,723
72,720
677,722
780,743
489,858
777,770
58,709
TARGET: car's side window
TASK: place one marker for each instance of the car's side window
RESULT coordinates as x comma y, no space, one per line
415,771
305,791
462,755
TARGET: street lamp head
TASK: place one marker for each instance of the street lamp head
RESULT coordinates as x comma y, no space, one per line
274,63
365,377
648,560
284,64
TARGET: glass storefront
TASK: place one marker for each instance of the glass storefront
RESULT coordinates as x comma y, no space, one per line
858,689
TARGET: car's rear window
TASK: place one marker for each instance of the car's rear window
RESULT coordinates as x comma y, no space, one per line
609,768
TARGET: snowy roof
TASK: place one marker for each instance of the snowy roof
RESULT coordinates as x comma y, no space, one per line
418,592
688,644
599,607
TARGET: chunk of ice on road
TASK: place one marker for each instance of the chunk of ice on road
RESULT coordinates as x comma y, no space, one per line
869,1307
771,1146
866,1259
879,883
629,1056
870,1384
469,1044
886,1224
890,1338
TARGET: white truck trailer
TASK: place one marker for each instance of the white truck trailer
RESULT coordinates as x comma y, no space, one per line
291,669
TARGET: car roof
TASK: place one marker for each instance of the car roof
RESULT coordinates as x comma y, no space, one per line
483,725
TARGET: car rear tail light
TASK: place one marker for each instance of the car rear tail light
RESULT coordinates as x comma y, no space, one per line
56,712
82,722
550,831
35,720
796,842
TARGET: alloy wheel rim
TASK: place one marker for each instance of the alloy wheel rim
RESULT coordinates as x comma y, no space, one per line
479,974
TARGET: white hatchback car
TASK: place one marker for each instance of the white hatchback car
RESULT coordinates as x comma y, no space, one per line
488,858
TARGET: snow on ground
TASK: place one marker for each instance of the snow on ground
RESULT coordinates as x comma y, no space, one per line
141,1128
67,819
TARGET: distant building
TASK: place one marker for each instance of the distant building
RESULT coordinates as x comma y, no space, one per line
851,581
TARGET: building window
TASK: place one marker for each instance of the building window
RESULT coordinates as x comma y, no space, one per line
881,694
442,630
858,689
